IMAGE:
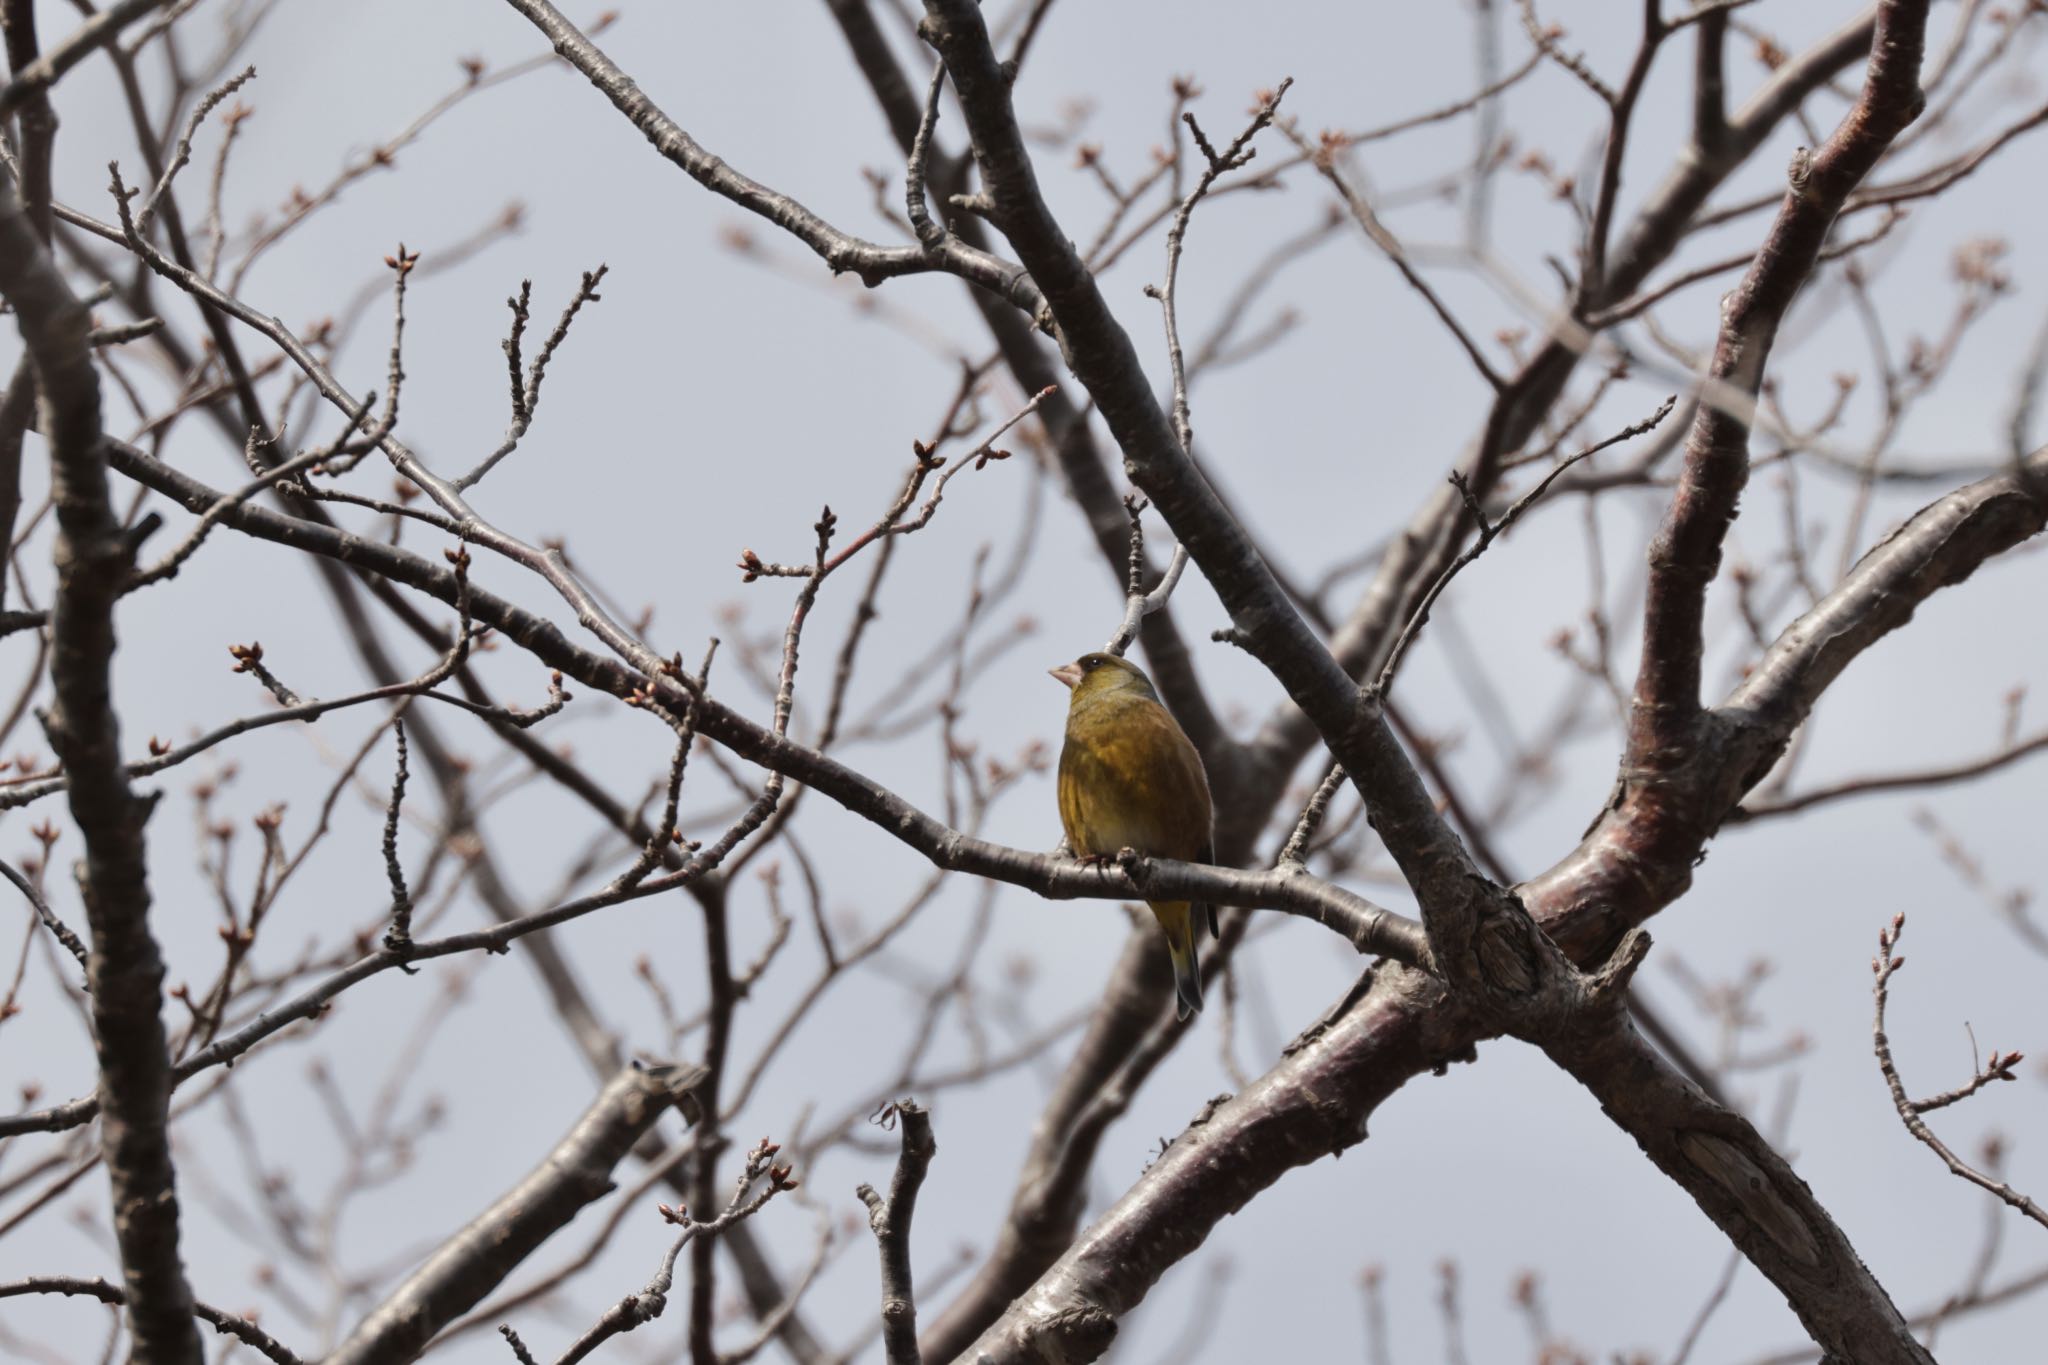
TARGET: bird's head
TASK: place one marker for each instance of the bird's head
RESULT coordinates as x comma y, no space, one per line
1100,675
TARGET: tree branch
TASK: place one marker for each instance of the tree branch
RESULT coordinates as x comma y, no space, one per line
1685,557
87,38
1101,356
839,251
1751,1193
227,1324
93,557
577,1172
1882,968
890,1221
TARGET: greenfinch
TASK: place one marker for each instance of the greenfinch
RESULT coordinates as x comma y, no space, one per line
1129,778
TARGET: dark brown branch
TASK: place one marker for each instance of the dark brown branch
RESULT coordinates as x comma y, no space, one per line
93,557
575,1173
1750,1192
1621,109
701,1181
1685,557
1709,80
227,1324
36,135
48,917
399,936
890,1221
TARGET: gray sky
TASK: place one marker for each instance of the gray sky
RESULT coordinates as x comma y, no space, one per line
709,403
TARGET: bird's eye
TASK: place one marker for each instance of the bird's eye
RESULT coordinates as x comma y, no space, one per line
1092,662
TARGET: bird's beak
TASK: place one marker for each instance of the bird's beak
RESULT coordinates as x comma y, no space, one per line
1070,674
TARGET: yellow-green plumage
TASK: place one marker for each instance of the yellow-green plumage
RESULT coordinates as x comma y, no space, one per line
1129,778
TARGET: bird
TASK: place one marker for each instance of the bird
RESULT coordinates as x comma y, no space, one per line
1129,777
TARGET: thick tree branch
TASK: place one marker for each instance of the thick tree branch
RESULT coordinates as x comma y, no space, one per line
93,558
577,1172
1685,557
36,125
1637,858
1751,1193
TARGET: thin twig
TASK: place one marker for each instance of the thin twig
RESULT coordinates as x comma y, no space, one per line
58,929
399,936
1489,531
146,215
1999,1068
1138,603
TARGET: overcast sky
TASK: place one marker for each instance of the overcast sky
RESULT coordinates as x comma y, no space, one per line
713,401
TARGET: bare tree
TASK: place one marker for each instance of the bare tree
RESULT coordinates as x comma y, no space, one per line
714,777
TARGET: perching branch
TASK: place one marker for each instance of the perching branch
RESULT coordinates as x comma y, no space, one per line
1100,353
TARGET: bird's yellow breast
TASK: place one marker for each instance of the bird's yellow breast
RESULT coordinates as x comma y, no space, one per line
1129,778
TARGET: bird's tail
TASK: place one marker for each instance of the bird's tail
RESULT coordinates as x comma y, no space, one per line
1177,919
